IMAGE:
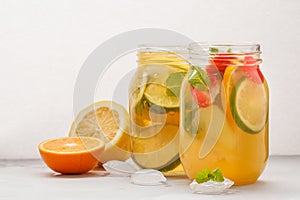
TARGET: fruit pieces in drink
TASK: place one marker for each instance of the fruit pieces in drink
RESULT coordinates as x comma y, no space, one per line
154,110
155,145
243,140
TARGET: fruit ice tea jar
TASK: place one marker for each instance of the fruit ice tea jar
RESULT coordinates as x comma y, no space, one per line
224,112
154,108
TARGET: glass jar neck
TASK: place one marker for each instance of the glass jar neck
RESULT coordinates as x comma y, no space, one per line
238,54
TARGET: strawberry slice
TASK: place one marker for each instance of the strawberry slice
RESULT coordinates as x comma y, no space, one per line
252,72
221,61
202,97
213,74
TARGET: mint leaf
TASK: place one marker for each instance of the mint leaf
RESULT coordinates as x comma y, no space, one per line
139,107
213,50
203,176
198,78
217,175
173,83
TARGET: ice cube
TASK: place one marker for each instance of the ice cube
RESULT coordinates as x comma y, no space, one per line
133,164
148,177
120,168
211,187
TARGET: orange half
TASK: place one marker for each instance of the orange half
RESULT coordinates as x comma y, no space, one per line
71,155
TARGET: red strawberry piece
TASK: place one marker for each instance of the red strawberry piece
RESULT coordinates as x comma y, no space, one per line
202,97
252,72
221,61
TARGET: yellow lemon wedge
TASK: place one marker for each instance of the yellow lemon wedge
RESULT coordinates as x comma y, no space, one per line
109,122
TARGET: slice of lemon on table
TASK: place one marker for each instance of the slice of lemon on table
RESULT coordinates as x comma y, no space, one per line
109,122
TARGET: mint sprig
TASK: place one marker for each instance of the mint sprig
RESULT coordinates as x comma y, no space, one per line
205,175
213,50
173,83
229,50
198,78
217,175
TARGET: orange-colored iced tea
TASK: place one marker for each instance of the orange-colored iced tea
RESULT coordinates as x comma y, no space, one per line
224,115
154,110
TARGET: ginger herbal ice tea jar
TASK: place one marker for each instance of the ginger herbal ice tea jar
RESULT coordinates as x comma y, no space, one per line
154,108
224,112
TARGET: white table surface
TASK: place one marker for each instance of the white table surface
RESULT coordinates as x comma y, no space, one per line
31,179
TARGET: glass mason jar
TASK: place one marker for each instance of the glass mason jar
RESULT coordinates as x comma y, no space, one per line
224,112
154,108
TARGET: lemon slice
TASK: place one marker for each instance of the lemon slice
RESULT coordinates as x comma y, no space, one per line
249,105
109,122
157,94
166,58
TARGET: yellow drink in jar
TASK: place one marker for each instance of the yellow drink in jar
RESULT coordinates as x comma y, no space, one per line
154,110
224,117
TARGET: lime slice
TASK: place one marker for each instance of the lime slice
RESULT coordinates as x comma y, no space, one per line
157,152
157,94
163,166
172,165
249,105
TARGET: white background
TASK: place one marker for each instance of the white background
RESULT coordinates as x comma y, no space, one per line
44,43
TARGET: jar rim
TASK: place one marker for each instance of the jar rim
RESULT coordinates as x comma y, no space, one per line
224,48
151,45
229,44
163,48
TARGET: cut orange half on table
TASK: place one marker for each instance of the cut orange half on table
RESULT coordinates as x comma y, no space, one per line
71,155
109,122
